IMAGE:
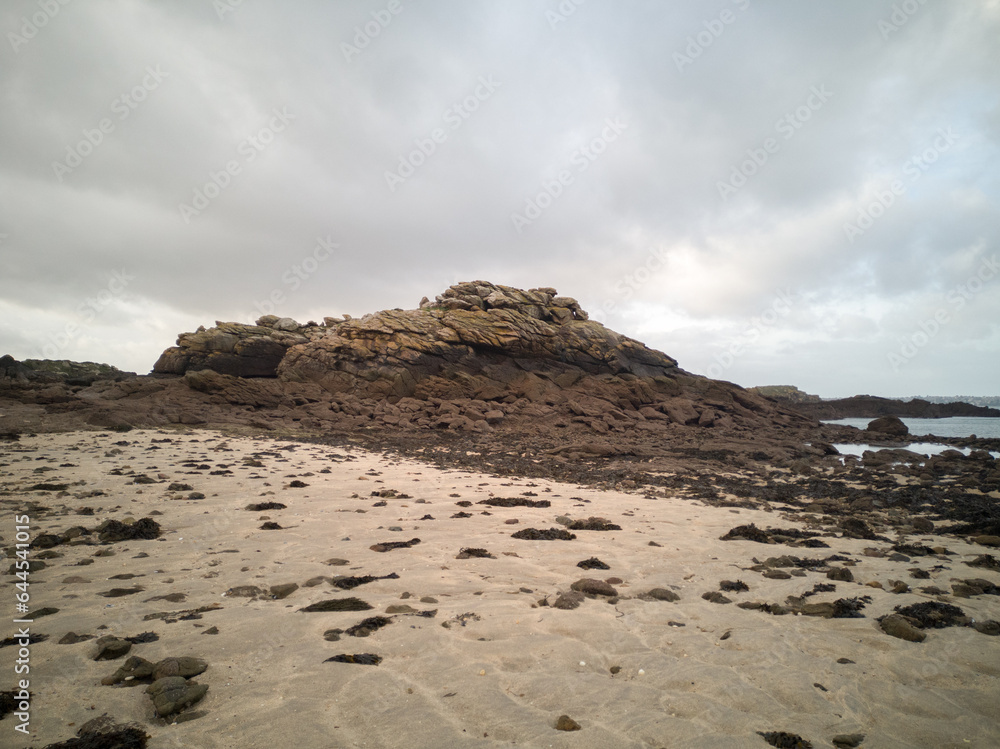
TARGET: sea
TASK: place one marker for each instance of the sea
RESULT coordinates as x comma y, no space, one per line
954,426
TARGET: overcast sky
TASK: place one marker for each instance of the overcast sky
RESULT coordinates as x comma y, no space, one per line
772,192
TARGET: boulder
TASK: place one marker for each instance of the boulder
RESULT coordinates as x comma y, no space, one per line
890,425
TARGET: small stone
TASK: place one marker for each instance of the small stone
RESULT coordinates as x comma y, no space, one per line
715,597
848,740
72,638
244,591
283,591
566,723
661,594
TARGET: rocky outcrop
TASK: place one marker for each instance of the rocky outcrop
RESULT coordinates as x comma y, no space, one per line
236,349
478,340
57,371
870,407
520,372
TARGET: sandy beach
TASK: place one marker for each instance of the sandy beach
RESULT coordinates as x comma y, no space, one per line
475,651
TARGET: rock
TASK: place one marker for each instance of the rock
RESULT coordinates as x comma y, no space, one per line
172,694
993,541
593,587
566,723
847,740
184,666
715,596
890,425
284,590
988,627
898,626
922,525
244,591
72,638
661,594
103,733
110,647
133,669
592,564
570,600
841,574
233,349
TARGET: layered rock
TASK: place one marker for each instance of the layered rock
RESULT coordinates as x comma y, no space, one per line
517,371
235,349
478,340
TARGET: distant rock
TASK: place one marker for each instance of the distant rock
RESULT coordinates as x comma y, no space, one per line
891,425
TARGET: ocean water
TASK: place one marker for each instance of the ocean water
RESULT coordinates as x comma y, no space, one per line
955,426
923,448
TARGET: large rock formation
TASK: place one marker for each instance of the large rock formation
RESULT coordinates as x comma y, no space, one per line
527,369
478,340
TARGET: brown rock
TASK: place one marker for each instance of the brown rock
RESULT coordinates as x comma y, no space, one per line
590,586
566,723
898,626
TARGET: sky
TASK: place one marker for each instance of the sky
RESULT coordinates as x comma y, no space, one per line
770,192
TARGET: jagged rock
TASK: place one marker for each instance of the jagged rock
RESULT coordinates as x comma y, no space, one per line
233,348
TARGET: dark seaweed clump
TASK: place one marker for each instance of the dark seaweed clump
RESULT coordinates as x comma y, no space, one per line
339,604
593,524
365,659
390,545
746,532
593,564
552,534
850,608
934,615
111,531
783,740
513,502
349,583
261,506
369,625
470,552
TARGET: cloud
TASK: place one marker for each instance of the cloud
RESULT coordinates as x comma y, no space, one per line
286,121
